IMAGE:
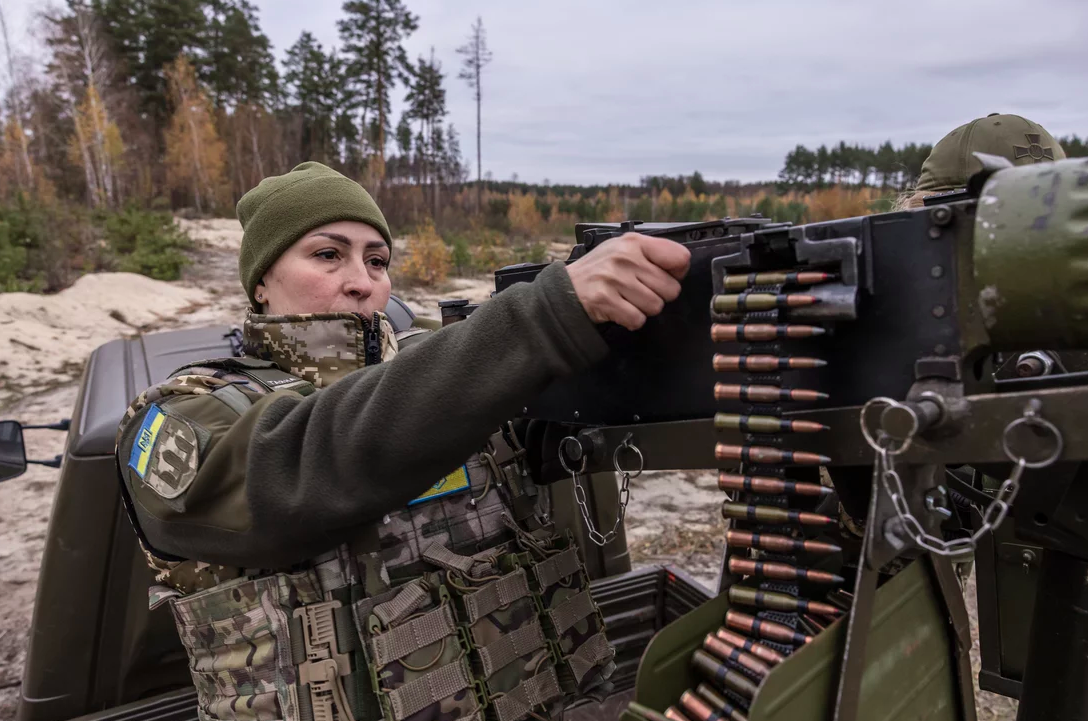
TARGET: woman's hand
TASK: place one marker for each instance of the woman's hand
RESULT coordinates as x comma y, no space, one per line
630,278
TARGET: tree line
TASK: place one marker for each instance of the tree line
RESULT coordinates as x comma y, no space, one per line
184,100
886,167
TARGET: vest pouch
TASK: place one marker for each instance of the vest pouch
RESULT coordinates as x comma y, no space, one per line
571,618
510,651
418,661
237,636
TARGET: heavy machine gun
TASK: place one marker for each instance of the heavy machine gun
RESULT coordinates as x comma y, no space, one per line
858,356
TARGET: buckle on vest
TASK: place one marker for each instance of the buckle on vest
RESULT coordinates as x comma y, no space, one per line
324,667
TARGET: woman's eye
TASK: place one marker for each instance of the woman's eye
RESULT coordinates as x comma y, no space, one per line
379,262
326,254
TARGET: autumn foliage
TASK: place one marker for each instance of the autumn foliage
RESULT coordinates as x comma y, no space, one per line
427,260
195,155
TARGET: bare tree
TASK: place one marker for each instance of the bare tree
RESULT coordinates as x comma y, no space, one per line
476,57
98,73
26,181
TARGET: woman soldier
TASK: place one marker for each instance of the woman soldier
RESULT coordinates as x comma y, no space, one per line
326,549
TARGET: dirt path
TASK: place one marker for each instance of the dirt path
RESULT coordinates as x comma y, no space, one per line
671,518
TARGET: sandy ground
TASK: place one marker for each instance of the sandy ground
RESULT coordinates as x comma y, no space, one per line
44,341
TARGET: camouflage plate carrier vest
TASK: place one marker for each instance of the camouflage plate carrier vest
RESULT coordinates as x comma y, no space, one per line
461,606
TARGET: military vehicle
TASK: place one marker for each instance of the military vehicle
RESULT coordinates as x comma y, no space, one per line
841,377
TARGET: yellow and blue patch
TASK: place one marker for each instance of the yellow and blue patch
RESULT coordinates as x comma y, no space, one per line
145,440
455,482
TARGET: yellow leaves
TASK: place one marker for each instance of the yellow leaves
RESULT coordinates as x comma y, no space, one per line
195,154
523,215
96,146
427,261
839,202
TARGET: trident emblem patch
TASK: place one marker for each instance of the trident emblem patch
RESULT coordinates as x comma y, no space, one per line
1034,149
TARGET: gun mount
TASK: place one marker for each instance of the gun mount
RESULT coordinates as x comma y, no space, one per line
886,326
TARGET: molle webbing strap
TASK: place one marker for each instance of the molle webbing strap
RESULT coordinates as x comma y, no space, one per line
536,691
234,398
408,600
414,635
330,572
497,594
571,611
273,379
556,568
432,687
443,557
589,655
511,647
346,637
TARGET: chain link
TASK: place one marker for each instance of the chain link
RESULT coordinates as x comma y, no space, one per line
884,470
602,539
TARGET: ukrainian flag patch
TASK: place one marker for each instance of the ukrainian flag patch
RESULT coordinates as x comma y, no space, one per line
455,482
145,440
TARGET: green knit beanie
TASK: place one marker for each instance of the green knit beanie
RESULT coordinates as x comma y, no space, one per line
283,208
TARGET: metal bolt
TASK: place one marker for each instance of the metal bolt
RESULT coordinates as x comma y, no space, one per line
934,232
938,311
936,272
1028,556
525,410
636,418
941,215
576,415
936,498
893,534
940,349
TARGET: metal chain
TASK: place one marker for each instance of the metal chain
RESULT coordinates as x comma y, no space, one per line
602,539
995,513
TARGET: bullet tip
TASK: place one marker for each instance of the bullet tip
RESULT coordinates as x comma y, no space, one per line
817,330
837,579
817,363
824,460
822,396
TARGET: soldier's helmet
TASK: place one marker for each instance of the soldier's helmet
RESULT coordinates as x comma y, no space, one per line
952,162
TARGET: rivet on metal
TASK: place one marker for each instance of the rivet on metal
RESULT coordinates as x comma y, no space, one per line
938,312
941,215
936,272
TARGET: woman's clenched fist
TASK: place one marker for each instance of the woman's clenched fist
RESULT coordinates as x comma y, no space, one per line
630,278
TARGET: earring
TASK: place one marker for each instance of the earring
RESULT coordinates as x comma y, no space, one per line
260,298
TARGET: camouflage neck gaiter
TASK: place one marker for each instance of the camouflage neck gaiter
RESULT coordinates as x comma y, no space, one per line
319,347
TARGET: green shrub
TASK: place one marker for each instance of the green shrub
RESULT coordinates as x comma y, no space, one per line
146,242
460,255
12,262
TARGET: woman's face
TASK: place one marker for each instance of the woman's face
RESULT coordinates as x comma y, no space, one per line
341,267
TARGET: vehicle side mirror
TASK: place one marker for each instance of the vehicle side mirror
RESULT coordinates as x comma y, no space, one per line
12,450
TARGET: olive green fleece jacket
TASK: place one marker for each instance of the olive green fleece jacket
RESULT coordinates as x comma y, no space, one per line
293,476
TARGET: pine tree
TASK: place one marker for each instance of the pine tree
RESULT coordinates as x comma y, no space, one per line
372,35
146,36
306,76
195,155
426,100
238,66
476,57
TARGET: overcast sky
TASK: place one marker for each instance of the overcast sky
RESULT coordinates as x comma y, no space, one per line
597,91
